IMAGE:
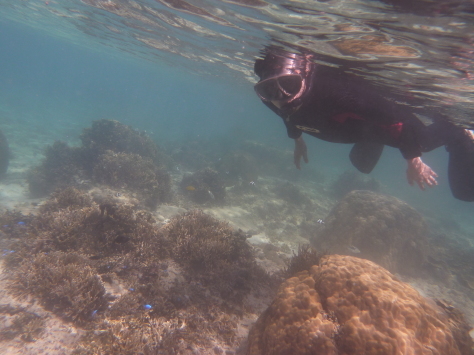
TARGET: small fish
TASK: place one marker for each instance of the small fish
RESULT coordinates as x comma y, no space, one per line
190,188
118,194
94,314
353,249
211,194
148,306
320,221
252,183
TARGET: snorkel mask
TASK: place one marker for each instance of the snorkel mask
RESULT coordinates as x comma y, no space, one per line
283,77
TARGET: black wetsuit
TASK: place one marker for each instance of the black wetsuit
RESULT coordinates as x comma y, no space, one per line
343,108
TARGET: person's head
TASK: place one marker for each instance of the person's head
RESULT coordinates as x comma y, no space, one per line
284,76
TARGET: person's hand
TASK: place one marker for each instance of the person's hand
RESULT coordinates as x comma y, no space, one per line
300,152
420,173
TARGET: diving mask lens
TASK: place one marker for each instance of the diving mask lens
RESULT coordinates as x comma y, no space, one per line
290,84
279,88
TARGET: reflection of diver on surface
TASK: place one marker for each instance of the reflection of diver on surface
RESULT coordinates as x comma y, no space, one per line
332,105
431,8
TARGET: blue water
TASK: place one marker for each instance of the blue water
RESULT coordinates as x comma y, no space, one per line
49,80
54,84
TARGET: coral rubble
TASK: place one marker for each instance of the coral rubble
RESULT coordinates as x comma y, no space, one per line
347,305
379,228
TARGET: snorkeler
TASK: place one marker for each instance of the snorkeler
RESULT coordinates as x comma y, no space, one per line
338,107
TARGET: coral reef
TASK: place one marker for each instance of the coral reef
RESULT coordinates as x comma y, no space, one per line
306,257
62,166
379,228
204,186
68,198
352,180
112,135
214,254
20,323
72,222
4,154
112,154
347,305
133,285
133,173
64,283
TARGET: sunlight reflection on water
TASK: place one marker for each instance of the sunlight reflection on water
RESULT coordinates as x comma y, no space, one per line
425,47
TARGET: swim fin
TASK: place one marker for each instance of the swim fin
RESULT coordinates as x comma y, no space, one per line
461,170
365,155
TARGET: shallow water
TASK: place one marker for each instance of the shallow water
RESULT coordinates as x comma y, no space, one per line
182,73
422,46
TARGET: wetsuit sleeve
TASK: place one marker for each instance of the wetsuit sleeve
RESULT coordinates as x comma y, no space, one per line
409,142
293,132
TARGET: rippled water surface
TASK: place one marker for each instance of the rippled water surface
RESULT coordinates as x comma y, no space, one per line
424,47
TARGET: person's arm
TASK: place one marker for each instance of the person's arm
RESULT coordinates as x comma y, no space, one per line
300,146
420,173
301,151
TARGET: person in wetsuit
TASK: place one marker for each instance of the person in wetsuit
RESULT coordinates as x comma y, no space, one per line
338,107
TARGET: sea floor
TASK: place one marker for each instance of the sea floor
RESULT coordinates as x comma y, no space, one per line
278,228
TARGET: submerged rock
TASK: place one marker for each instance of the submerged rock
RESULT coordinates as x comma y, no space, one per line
377,227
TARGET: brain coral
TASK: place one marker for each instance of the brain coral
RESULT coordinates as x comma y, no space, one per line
383,228
348,305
